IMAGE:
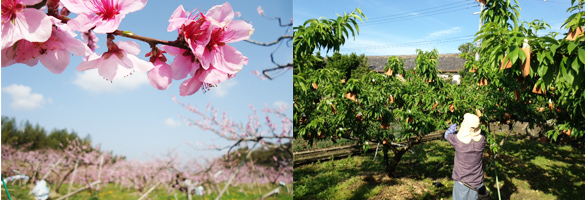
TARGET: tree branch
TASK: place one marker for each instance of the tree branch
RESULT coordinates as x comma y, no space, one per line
151,41
235,173
129,34
290,37
279,21
276,68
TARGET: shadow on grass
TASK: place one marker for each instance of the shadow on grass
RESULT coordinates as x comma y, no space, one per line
370,183
322,180
527,169
550,168
431,160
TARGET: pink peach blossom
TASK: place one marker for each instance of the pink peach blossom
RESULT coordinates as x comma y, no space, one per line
104,15
161,76
186,64
19,22
209,60
119,61
260,10
224,57
181,17
194,28
53,53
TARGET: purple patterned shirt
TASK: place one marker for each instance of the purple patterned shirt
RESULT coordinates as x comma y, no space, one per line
468,164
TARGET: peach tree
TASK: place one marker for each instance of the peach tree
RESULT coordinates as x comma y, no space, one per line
532,78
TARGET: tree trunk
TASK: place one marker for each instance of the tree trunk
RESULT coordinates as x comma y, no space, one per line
395,160
385,150
58,183
398,153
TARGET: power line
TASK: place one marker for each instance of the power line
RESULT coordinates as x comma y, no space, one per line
418,43
403,18
416,11
557,2
411,14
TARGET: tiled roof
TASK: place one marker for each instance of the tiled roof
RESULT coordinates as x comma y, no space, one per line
447,62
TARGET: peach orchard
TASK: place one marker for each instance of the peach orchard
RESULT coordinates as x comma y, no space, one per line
519,76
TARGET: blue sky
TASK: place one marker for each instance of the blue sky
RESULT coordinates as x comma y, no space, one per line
132,118
419,21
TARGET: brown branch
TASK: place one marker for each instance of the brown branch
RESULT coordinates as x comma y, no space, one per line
128,34
151,41
279,21
271,43
276,68
235,173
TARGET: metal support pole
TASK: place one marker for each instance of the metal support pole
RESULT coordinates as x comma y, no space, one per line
480,24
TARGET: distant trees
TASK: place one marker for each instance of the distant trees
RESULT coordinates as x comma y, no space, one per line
33,137
353,66
269,157
468,48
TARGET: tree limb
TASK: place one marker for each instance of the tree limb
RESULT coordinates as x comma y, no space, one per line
278,67
290,37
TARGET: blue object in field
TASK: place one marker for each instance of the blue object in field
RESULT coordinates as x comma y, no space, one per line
41,191
199,191
16,177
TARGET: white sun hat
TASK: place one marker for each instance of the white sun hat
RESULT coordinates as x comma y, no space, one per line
469,129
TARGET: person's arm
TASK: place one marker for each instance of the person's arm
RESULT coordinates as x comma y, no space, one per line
451,130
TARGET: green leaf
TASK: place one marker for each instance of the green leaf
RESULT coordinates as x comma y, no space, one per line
575,65
550,58
522,55
553,48
540,56
582,55
542,70
550,40
578,80
569,77
514,54
572,46
548,77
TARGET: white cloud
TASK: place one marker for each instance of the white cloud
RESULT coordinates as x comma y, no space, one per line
23,99
279,104
223,88
91,81
445,32
170,122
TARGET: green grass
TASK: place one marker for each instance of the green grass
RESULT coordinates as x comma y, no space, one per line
111,192
527,169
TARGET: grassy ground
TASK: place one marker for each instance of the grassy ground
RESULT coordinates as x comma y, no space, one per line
527,169
111,192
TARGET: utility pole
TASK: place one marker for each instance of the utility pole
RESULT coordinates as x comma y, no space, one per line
480,23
